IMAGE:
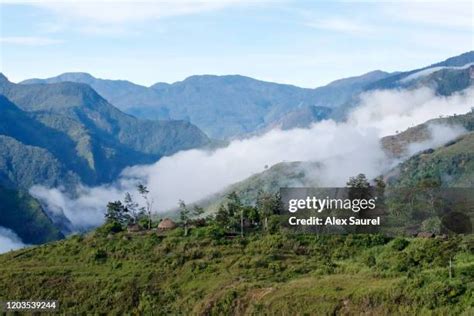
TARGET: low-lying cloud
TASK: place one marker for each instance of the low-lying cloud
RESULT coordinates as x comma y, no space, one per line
344,149
440,135
9,240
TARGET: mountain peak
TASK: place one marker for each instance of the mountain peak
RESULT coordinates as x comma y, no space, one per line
83,77
79,77
456,61
211,78
360,80
3,78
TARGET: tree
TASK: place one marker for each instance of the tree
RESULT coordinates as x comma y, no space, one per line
197,211
136,213
222,217
147,209
184,215
231,213
359,187
380,186
116,212
235,209
267,205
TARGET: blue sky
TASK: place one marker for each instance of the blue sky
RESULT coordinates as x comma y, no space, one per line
306,43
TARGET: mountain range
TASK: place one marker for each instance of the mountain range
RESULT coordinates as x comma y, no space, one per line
70,129
233,106
65,134
222,106
75,134
452,164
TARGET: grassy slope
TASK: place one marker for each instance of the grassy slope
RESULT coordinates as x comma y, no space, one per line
396,145
453,164
271,274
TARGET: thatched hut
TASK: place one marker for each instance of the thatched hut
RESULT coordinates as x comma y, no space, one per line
166,224
425,235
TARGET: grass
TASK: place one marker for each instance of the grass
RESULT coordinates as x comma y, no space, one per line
261,274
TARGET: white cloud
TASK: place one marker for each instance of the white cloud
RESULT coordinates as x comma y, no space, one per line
343,25
429,71
343,149
9,240
120,11
452,14
29,40
440,135
389,111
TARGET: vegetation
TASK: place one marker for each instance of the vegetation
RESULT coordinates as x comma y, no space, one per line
241,261
205,273
76,135
452,165
24,215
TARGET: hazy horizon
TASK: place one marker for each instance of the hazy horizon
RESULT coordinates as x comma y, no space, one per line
298,43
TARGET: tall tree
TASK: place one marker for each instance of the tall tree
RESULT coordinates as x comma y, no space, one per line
359,187
267,205
184,215
117,212
143,190
132,208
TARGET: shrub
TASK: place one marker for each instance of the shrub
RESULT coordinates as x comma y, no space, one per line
111,227
99,255
399,244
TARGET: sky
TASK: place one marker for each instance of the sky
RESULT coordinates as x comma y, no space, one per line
305,43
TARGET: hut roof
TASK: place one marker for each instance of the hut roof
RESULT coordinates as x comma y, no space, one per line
426,235
133,228
166,224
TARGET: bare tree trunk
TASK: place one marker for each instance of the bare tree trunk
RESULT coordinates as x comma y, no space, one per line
242,223
450,268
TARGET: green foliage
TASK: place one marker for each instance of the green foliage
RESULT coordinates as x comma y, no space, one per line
63,134
400,243
117,213
448,166
110,227
206,273
359,187
24,215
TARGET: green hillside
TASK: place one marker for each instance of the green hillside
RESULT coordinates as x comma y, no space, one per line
271,274
281,175
295,174
24,215
397,145
86,135
452,165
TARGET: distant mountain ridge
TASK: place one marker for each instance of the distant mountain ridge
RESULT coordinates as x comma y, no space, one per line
65,134
394,81
62,132
233,106
222,106
86,134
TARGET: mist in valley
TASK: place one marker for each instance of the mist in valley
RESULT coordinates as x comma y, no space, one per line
343,149
9,240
